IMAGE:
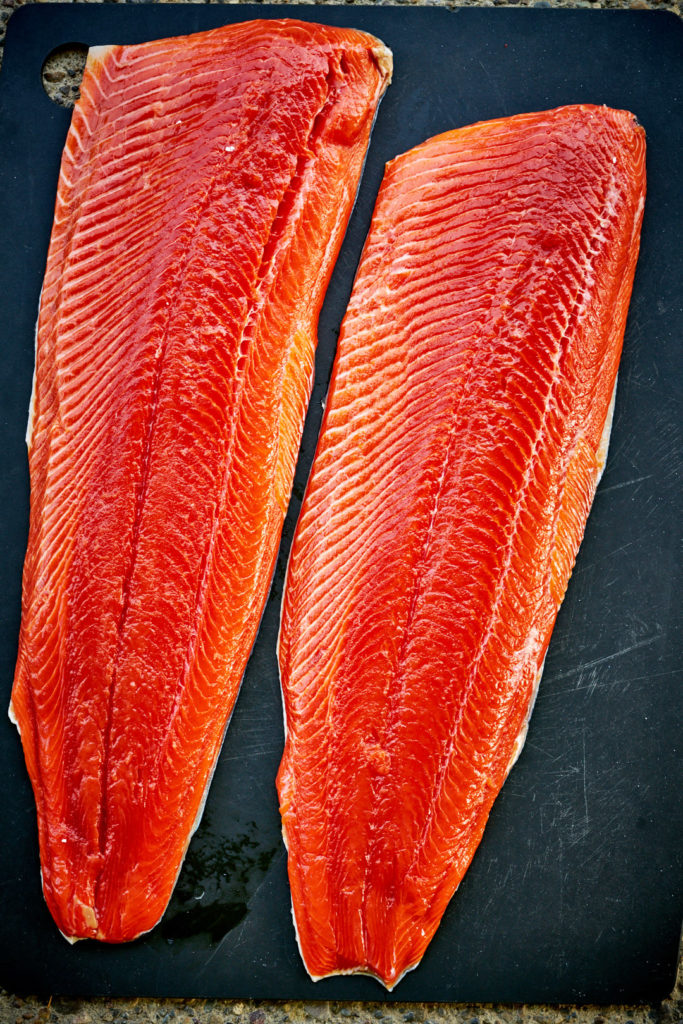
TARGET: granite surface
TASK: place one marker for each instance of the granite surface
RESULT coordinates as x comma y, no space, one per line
61,81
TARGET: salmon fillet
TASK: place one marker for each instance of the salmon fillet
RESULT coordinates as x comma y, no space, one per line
465,432
204,191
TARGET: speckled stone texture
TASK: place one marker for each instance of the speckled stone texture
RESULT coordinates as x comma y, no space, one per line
61,80
14,1010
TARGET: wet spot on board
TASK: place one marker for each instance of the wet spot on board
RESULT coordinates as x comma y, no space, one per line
219,877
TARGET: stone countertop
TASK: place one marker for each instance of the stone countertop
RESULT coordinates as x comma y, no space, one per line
17,1010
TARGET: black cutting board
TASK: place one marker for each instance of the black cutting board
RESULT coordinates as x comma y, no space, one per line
574,894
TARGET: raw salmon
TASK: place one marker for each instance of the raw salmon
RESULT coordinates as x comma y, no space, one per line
465,432
204,191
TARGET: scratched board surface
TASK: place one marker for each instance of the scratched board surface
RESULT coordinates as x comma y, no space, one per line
574,894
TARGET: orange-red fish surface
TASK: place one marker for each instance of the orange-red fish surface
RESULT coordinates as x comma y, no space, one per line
465,432
204,191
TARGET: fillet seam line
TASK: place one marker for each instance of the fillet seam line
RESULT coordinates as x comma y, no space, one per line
285,212
533,460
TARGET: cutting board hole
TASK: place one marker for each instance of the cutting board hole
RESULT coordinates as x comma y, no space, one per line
62,73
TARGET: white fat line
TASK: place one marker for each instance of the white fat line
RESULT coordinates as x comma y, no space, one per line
32,403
